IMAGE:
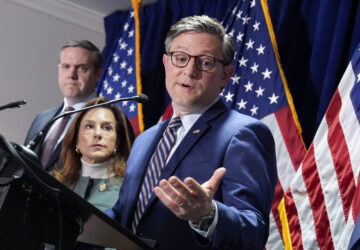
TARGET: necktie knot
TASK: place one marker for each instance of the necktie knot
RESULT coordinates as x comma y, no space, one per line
175,123
69,108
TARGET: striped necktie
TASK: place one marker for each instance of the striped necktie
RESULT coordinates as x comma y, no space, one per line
157,162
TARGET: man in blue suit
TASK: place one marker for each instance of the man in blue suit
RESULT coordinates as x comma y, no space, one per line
217,183
355,236
79,70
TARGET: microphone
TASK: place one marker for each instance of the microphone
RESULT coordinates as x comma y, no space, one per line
141,98
14,105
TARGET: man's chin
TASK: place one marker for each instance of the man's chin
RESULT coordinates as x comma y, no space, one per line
72,99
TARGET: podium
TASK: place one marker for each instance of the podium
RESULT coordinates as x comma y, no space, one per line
39,212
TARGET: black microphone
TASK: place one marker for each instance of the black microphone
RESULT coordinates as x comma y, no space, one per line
14,105
141,98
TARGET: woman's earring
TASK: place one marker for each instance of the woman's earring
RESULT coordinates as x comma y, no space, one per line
77,150
114,153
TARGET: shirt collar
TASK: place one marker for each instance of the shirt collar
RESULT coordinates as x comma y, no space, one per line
189,120
79,104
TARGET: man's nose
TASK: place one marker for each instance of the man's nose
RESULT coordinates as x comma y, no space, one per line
191,68
73,73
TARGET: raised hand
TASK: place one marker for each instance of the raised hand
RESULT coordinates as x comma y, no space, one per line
189,200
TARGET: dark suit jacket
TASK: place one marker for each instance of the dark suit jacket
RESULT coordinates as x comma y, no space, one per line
37,125
355,236
220,137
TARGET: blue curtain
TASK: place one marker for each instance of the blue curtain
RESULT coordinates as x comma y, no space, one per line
155,21
316,39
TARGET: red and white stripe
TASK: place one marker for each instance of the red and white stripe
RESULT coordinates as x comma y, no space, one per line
289,154
319,201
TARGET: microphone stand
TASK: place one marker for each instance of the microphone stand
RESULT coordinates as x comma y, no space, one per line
13,105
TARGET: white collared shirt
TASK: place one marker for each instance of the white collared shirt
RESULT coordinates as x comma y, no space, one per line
187,122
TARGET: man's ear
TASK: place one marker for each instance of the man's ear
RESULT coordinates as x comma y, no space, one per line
164,59
227,73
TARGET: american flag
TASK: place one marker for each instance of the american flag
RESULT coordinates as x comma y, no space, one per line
319,204
258,89
119,78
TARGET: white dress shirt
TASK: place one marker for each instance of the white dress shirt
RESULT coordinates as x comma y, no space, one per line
187,122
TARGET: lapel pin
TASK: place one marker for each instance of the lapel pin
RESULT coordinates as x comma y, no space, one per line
196,131
102,187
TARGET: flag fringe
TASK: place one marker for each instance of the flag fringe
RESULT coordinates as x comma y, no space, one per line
265,8
136,6
284,225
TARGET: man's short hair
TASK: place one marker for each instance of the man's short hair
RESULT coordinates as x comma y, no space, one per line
202,24
97,56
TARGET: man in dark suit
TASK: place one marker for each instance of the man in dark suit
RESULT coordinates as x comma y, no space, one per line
79,70
214,187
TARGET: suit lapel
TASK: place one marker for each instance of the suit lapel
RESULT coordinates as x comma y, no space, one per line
139,164
198,130
48,116
55,155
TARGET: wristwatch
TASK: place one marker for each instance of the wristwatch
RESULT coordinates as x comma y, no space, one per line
205,221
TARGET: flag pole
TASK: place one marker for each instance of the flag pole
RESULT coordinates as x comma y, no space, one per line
265,8
136,6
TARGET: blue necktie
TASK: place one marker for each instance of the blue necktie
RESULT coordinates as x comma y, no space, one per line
157,162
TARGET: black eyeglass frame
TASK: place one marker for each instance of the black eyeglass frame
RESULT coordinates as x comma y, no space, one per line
196,58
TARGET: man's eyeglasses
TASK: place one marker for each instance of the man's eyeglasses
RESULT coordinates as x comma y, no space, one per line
202,62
